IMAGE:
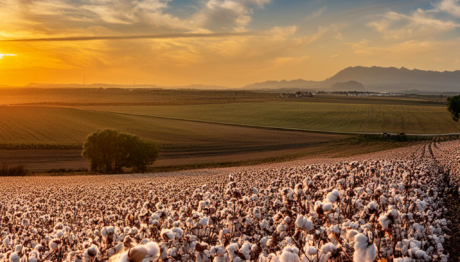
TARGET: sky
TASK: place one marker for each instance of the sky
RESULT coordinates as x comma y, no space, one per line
220,42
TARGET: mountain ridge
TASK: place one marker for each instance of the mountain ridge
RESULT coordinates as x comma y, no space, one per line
380,79
373,79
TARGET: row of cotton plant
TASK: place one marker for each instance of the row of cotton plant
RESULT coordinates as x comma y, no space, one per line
380,207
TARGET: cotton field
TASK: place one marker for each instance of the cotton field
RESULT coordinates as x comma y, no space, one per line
381,207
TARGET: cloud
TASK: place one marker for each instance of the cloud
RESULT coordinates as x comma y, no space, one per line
339,36
420,23
218,15
406,49
449,6
127,37
315,14
42,18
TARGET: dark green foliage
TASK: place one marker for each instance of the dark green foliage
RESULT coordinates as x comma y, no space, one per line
453,105
20,170
110,151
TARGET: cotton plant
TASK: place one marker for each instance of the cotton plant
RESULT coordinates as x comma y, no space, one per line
388,206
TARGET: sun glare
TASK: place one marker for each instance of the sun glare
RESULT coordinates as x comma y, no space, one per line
3,55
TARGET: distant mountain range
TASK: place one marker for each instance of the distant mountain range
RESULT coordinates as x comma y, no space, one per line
377,79
372,79
101,85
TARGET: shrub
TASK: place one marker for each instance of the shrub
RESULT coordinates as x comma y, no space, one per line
110,151
19,170
453,105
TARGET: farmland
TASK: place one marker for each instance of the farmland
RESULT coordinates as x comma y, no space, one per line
311,116
388,206
45,128
64,126
118,96
57,134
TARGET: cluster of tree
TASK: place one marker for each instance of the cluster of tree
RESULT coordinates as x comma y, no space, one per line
296,94
110,151
453,105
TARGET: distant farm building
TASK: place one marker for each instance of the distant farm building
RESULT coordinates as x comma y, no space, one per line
295,95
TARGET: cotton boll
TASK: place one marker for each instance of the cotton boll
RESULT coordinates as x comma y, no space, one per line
167,234
90,254
405,259
246,250
223,258
364,251
421,205
153,251
123,257
329,248
202,256
172,252
231,249
137,254
14,257
205,221
372,206
309,250
386,221
393,212
18,248
54,244
333,196
289,254
327,207
304,223
281,227
351,235
107,231
178,232
38,248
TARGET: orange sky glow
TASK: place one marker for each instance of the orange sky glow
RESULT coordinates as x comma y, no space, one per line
255,40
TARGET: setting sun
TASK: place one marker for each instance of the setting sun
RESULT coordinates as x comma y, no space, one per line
3,55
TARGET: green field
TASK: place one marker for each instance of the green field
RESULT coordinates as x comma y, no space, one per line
64,126
335,117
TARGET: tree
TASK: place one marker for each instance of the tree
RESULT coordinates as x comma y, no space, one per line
453,105
110,151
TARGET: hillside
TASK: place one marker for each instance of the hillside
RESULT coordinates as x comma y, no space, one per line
392,79
377,79
348,86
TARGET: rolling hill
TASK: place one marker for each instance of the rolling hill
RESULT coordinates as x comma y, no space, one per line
393,79
377,79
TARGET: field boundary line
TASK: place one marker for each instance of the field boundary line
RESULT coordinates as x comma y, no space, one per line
270,127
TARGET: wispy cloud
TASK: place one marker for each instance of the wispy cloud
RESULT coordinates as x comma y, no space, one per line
315,14
449,6
128,37
395,25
